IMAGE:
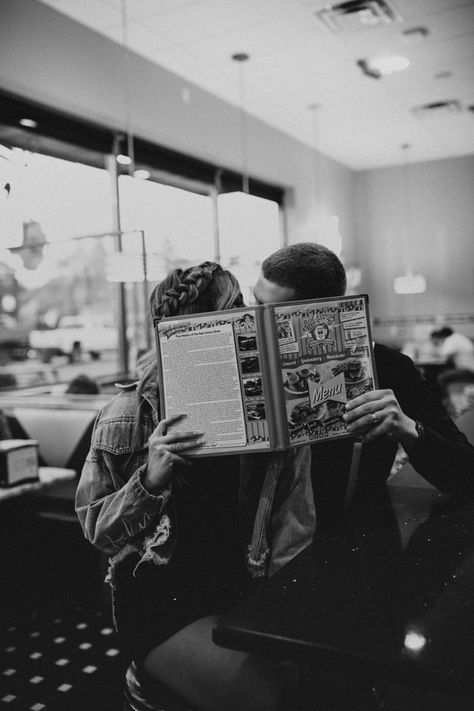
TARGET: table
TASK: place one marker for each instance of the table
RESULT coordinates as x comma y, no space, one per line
368,599
47,477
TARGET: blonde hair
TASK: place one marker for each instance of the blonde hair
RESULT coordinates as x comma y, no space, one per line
205,287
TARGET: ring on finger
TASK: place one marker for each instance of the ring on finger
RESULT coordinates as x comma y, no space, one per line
374,417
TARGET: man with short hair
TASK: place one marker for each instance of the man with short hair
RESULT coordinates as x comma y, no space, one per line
403,410
456,349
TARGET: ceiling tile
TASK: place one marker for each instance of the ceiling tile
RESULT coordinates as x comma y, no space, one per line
295,60
141,39
139,9
94,13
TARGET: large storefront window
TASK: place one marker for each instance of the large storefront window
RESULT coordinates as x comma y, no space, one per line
72,289
57,312
249,230
178,224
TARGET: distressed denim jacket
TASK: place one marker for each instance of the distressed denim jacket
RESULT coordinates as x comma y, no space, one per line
119,516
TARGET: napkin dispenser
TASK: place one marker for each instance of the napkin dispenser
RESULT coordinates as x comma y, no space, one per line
18,461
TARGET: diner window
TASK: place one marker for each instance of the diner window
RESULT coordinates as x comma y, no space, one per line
169,227
57,312
74,287
249,230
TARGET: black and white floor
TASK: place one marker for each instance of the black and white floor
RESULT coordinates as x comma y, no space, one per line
58,648
62,660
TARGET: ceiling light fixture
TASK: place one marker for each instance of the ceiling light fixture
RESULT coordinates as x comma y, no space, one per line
415,35
142,174
367,70
437,109
241,58
383,66
130,153
327,228
389,64
356,15
409,282
28,123
123,159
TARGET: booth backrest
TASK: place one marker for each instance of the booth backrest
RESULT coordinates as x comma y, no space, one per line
62,426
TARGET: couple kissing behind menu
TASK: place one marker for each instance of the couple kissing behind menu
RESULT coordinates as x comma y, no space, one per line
186,536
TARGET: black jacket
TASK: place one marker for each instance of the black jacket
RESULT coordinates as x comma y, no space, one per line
444,456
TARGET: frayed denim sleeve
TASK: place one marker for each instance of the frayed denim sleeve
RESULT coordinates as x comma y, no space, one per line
113,512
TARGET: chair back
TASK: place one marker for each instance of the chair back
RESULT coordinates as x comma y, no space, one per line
143,693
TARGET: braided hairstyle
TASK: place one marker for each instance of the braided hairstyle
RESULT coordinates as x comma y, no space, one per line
205,287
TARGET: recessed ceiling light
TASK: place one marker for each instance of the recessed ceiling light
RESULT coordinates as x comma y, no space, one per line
28,123
388,64
355,15
141,174
123,159
410,284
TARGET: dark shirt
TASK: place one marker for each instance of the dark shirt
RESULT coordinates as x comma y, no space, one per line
444,456
4,428
206,574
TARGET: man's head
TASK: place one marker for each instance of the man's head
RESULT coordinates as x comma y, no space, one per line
300,271
440,335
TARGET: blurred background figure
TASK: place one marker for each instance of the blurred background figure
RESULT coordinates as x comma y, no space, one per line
456,349
82,385
4,428
457,390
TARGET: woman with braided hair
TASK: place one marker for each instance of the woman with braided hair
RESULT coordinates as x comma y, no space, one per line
170,525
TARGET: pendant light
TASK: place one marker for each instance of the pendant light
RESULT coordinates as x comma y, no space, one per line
127,157
241,58
409,282
327,230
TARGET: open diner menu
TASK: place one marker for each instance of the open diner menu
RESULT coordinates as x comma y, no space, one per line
266,378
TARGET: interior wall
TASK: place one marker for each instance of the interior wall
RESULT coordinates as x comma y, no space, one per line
418,216
48,57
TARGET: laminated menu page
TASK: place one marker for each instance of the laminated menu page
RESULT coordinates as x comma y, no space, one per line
268,377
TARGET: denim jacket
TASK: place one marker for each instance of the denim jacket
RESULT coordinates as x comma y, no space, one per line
119,516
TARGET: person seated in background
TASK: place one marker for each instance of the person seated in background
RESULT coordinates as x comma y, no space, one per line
171,526
82,385
456,349
457,389
4,427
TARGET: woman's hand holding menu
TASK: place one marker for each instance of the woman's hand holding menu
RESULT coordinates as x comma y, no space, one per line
166,450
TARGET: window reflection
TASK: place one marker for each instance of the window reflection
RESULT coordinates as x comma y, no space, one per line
178,224
60,265
249,230
52,306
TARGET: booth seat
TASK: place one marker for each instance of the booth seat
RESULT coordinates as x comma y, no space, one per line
62,425
41,528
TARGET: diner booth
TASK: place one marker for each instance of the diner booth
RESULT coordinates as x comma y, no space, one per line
116,169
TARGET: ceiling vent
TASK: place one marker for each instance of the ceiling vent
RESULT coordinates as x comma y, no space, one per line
358,15
437,109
